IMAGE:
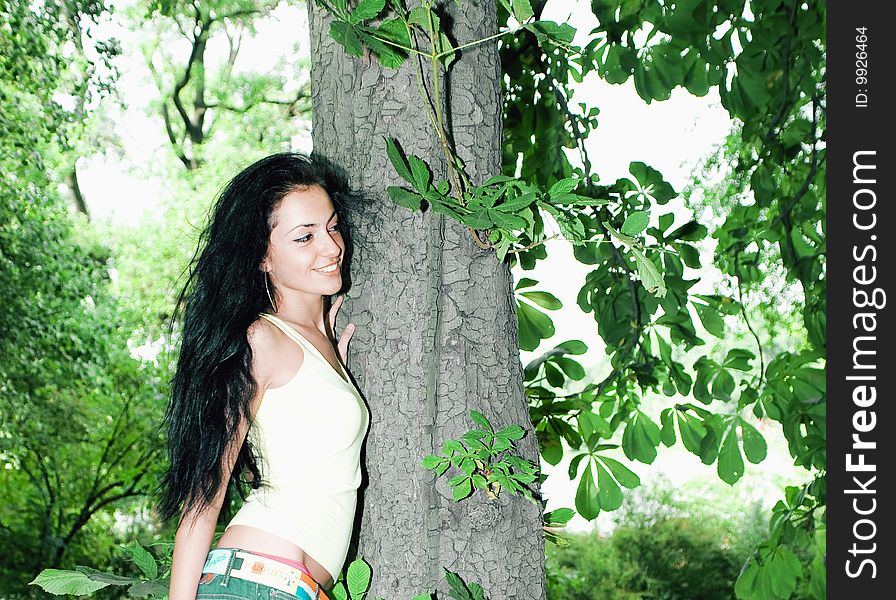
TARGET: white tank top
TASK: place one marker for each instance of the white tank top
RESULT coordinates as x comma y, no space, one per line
307,434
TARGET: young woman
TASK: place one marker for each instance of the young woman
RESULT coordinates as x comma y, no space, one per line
261,398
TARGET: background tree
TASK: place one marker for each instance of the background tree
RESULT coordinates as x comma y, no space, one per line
77,435
193,89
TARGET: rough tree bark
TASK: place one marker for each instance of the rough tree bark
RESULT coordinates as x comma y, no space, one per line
437,332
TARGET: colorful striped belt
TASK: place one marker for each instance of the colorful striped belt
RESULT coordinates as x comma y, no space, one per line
265,571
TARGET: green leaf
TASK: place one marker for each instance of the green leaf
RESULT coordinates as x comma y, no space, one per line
389,56
445,48
650,276
512,432
345,35
608,490
58,582
358,578
109,578
478,220
614,233
478,418
451,446
405,198
590,423
635,223
367,9
420,172
461,590
745,586
731,463
155,588
587,500
534,326
339,592
625,476
525,282
143,559
518,203
398,160
650,180
739,358
558,517
689,232
666,221
711,319
522,10
505,220
640,439
563,34
667,429
497,179
575,347
554,375
395,30
755,447
573,469
432,462
419,15
564,186
572,368
544,299
692,432
723,385
462,489
553,452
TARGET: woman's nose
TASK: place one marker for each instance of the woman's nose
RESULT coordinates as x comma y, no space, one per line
331,247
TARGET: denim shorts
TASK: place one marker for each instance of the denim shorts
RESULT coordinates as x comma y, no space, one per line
212,587
228,586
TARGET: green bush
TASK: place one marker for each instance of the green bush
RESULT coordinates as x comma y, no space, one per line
674,559
667,545
680,559
587,567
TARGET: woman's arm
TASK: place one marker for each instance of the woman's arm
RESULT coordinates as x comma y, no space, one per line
197,528
195,532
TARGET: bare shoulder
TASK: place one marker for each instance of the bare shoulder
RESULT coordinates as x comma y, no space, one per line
275,357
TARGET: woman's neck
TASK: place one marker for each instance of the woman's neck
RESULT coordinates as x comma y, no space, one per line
307,311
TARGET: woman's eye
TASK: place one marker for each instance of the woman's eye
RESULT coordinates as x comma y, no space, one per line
304,239
334,228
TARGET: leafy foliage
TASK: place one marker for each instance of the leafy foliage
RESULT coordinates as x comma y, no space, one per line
85,580
485,461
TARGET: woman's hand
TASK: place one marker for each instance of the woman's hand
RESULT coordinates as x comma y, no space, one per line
345,338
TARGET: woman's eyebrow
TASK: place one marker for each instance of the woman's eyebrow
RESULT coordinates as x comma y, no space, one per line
310,224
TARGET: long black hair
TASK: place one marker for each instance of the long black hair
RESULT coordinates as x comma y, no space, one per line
223,295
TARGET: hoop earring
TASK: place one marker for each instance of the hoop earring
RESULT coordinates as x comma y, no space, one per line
268,290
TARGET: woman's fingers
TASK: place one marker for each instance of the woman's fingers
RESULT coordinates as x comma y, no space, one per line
344,339
334,310
346,336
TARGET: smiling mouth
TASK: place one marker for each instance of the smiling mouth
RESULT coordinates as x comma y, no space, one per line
329,268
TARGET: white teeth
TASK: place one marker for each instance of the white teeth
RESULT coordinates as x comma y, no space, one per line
329,269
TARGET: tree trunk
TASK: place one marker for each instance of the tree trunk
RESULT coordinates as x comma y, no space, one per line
437,332
74,187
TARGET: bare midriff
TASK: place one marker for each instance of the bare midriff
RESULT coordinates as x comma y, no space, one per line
257,540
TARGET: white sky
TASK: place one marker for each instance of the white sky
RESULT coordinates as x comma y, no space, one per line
671,136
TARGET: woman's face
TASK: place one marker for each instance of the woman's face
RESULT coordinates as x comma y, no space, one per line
306,249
